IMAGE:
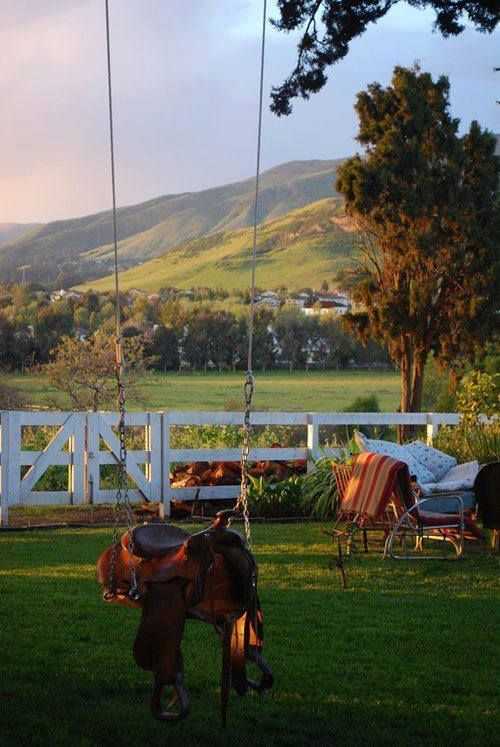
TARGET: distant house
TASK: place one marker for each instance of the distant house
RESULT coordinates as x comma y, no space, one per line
67,295
268,298
328,303
299,299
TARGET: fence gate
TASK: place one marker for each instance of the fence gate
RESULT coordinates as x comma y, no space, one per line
103,447
65,448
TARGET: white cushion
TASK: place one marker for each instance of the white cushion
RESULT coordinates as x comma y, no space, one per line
436,462
460,477
422,474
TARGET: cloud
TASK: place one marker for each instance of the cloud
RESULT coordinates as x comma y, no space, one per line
185,83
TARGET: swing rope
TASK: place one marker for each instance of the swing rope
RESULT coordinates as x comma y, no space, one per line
249,386
122,499
122,496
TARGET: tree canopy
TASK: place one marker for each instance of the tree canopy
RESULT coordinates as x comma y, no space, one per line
329,26
426,201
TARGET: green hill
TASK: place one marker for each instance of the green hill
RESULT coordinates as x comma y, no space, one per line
10,232
300,249
81,247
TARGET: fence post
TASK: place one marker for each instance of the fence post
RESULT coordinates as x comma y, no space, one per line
4,460
93,468
432,428
166,490
312,441
154,464
76,468
10,447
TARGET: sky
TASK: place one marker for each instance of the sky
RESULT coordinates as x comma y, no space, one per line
185,95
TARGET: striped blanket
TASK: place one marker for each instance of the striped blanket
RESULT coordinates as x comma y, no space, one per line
374,482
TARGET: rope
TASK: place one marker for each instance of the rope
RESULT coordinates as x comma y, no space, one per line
122,497
113,185
257,186
249,386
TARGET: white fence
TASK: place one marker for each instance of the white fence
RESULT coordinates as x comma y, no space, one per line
83,442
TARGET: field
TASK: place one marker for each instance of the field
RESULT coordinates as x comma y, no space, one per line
407,655
301,391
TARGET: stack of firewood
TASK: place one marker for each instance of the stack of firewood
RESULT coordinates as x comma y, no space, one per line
229,473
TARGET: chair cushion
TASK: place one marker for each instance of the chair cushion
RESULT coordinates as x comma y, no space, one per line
401,453
434,460
430,519
444,505
461,477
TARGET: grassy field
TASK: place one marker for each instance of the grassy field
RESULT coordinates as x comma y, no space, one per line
408,655
307,391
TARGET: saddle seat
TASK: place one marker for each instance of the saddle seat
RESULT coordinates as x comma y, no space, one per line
156,540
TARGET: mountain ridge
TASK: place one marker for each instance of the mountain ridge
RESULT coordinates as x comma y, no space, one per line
83,246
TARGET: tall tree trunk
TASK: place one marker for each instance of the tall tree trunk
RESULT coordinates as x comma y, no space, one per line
417,383
405,366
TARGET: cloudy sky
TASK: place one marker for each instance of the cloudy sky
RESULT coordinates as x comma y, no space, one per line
185,79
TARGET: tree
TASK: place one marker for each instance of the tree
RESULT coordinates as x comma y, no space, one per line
426,202
53,323
85,370
292,332
329,26
162,350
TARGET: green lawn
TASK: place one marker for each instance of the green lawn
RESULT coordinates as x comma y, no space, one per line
307,391
408,655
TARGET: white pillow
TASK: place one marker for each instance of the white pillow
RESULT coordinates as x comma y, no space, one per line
461,477
466,473
435,461
396,451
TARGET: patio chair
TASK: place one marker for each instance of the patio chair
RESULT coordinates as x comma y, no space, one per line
379,494
419,519
366,497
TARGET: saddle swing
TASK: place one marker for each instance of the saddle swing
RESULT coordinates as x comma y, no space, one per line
172,576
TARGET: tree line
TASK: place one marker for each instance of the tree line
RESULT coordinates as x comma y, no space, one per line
171,334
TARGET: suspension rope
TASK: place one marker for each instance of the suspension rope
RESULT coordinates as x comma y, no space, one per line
249,386
122,500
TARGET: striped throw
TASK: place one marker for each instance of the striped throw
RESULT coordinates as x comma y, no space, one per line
375,480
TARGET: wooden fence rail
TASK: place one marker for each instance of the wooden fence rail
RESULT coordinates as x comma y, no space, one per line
83,442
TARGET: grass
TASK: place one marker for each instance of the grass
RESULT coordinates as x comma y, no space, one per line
300,391
408,655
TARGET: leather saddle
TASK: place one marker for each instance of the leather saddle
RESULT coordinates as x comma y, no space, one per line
172,575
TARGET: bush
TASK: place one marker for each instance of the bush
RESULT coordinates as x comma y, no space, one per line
474,439
319,491
275,499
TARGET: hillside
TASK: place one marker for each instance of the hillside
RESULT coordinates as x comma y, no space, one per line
300,249
81,247
10,232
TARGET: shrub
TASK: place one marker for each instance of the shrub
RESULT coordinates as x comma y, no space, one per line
473,438
275,499
319,489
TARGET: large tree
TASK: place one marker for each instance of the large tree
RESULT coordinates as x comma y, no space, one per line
328,27
425,201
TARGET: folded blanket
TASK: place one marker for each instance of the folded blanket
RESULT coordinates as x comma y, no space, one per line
375,479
